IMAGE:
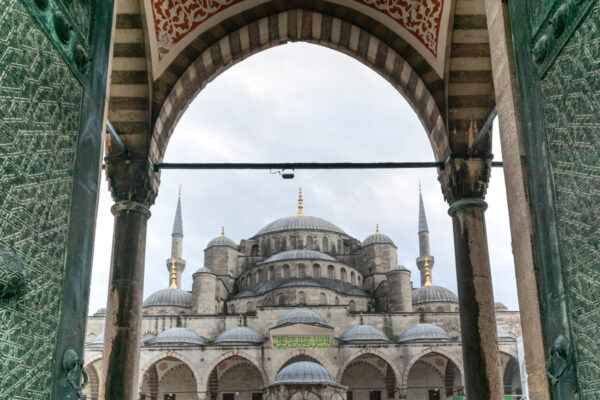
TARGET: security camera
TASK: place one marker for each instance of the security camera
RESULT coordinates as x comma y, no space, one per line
287,174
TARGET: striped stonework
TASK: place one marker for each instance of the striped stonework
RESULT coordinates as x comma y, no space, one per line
129,105
294,25
470,87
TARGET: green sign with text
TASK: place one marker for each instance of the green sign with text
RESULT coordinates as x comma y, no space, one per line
301,342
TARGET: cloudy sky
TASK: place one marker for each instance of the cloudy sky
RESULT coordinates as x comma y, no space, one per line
299,103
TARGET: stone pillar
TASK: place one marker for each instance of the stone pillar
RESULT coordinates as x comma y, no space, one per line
130,184
513,152
464,182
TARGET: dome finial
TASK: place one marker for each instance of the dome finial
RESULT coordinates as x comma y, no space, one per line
173,275
300,203
222,231
377,229
427,273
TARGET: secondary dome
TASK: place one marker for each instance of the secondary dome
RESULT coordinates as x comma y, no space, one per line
300,222
101,311
301,316
362,333
169,297
178,336
378,238
299,255
240,334
222,241
433,294
423,332
304,372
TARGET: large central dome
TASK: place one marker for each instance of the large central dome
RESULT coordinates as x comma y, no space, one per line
300,222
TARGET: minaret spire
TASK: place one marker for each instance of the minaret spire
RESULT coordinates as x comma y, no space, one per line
300,203
425,260
175,262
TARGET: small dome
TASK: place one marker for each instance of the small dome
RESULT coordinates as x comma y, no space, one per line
433,294
101,311
399,268
203,270
98,340
362,333
300,222
178,336
499,306
169,297
301,316
304,372
240,334
423,332
222,241
299,255
378,238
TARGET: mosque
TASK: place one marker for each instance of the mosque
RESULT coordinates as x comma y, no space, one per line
303,310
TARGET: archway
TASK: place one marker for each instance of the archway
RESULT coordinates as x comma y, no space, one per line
235,378
369,376
92,390
511,374
433,376
169,376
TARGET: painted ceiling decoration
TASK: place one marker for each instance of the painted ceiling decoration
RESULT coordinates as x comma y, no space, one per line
175,23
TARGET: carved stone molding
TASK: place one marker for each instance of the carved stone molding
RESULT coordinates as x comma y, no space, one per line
465,177
132,180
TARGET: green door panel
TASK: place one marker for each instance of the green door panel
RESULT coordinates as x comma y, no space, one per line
53,66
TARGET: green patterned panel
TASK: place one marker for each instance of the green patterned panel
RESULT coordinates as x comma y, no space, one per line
571,101
538,12
301,342
40,105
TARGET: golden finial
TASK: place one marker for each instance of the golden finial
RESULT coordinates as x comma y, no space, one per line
427,273
179,190
222,231
300,203
173,275
377,229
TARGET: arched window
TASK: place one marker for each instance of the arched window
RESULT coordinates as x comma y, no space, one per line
283,245
325,244
250,307
352,306
254,250
293,242
259,276
331,272
316,271
359,280
337,301
268,301
277,244
301,271
322,299
343,274
302,298
271,272
339,246
352,278
249,279
232,308
281,299
286,271
309,242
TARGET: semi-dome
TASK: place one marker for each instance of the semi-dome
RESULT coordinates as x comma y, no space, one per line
222,241
301,316
423,332
98,340
378,238
433,294
304,372
289,255
178,336
363,333
300,222
240,334
204,270
169,297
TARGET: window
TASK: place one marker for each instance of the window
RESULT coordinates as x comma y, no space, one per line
254,250
375,395
434,394
352,306
286,271
339,246
250,307
322,299
301,271
309,242
337,301
259,276
353,278
257,396
228,396
349,396
271,272
302,298
344,274
331,272
293,242
281,300
316,271
325,244
169,396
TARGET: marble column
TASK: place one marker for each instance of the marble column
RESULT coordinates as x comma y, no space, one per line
464,181
122,337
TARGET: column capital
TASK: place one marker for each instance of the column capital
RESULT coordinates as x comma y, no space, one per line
132,179
465,177
126,205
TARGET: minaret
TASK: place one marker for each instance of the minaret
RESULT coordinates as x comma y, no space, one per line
300,203
424,256
176,261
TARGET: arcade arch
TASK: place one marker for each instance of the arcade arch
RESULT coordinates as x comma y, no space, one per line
369,376
234,375
433,375
169,375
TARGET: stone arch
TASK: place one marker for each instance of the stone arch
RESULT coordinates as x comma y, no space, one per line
395,367
92,390
92,359
510,372
173,355
243,377
335,34
203,383
428,351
